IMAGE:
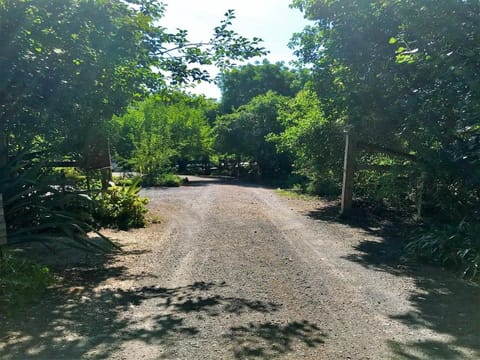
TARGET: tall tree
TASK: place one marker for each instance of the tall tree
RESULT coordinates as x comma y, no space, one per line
67,66
404,76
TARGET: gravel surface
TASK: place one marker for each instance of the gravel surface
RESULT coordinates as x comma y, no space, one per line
235,271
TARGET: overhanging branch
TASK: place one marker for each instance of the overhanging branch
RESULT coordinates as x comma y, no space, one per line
383,149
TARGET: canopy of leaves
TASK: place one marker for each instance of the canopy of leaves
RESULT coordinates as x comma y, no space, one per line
242,84
315,143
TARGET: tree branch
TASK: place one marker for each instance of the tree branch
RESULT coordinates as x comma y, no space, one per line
382,149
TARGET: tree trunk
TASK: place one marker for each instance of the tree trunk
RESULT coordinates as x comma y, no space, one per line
348,172
3,164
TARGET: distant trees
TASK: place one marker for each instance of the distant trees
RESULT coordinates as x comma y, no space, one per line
313,140
244,134
163,131
252,96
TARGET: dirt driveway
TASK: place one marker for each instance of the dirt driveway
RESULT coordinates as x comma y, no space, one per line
236,272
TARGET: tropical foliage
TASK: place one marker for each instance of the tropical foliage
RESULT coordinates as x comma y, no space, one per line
41,206
121,207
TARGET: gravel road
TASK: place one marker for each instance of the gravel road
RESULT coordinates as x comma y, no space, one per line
235,271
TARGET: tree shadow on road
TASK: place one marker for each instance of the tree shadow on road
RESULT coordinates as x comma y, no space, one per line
268,340
441,302
83,320
448,306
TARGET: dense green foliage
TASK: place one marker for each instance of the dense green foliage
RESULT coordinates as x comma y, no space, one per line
40,205
252,97
168,180
60,79
450,245
162,132
315,142
404,76
244,134
67,67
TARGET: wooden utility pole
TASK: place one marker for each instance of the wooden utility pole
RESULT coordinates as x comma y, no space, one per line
3,167
3,225
348,172
419,194
3,147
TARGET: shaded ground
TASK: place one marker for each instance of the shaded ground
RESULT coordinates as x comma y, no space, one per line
236,272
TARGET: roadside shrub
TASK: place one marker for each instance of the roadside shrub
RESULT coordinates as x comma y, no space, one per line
21,281
391,188
456,246
169,180
121,207
324,187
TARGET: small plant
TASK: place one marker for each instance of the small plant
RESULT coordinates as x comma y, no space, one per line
21,281
121,207
123,181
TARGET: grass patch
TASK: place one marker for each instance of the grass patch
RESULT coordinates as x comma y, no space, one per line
21,281
153,219
295,194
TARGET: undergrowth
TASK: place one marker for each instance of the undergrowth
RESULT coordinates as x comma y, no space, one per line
21,281
453,246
